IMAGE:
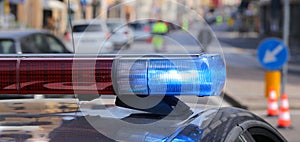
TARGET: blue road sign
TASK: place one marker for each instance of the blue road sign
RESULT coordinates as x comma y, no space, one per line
83,2
272,54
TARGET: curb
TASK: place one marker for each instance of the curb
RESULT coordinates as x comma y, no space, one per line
233,101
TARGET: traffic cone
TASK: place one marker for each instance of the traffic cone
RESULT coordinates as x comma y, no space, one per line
272,109
284,119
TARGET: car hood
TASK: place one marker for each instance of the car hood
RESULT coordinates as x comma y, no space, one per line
71,120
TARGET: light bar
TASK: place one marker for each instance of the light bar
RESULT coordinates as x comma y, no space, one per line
201,76
170,75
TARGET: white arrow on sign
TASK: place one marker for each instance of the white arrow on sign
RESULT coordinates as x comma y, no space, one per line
270,56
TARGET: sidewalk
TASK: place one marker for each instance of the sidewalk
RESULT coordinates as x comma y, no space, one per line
246,78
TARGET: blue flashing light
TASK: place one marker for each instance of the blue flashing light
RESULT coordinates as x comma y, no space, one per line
177,76
182,138
190,133
199,76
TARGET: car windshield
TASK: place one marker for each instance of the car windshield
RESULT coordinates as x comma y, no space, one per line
114,25
137,26
87,28
7,46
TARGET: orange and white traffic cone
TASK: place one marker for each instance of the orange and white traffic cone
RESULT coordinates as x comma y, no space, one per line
284,119
272,109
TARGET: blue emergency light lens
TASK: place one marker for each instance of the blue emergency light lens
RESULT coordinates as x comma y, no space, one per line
200,76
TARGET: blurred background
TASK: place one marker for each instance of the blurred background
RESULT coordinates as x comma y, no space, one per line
238,26
263,17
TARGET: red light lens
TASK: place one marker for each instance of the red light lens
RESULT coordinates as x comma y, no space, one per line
8,76
56,76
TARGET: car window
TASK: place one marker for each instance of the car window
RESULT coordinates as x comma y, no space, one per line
38,44
54,45
87,28
7,47
28,47
114,25
41,44
137,26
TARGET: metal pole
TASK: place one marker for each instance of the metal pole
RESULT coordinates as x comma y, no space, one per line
286,33
1,8
137,12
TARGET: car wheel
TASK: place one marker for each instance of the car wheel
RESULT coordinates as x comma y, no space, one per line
222,126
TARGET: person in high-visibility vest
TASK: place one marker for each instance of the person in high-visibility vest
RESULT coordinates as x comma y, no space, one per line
185,24
219,20
159,29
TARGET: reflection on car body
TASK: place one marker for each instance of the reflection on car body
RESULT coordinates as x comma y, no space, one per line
61,120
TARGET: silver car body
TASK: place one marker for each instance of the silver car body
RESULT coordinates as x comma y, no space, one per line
122,35
90,36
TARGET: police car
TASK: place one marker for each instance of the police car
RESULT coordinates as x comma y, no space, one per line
142,98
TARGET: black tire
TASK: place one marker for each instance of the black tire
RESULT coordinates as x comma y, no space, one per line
219,127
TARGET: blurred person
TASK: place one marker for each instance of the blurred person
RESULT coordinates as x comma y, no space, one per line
185,23
231,22
219,20
159,30
209,16
50,24
250,18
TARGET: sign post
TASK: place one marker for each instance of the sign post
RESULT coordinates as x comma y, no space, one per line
273,55
273,80
1,8
286,33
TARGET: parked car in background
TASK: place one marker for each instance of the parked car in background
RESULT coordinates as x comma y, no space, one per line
30,41
91,36
121,33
